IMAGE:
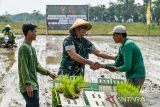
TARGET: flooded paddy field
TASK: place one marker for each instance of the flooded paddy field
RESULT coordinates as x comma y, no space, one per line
49,49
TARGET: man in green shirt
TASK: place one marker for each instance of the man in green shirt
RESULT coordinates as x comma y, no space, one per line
129,58
28,66
76,50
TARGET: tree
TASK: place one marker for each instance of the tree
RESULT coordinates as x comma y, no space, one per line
156,10
128,7
5,19
97,13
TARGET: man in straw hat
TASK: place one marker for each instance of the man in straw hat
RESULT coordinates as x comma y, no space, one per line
76,50
8,31
129,58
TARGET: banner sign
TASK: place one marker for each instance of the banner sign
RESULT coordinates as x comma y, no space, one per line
61,17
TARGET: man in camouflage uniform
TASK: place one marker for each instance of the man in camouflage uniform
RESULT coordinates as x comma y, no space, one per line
76,50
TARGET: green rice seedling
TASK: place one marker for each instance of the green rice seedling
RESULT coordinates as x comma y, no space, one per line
66,86
69,91
79,84
127,90
70,87
63,79
60,88
54,101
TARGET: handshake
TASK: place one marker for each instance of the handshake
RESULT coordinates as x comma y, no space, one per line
97,65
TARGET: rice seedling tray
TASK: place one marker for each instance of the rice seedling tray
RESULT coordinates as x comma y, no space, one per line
94,95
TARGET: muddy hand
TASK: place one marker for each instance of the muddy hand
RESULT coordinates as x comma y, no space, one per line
113,69
95,66
52,75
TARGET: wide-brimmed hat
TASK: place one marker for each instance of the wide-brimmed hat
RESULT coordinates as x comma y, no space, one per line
80,22
8,26
119,29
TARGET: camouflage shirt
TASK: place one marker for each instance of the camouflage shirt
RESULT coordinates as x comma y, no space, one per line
82,47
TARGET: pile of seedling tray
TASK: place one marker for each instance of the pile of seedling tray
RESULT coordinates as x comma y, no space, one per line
101,94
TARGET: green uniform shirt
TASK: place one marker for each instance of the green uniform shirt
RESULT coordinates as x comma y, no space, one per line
82,46
130,60
28,67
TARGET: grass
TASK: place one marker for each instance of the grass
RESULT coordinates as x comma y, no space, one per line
99,28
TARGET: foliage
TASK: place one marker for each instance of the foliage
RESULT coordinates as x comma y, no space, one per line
155,10
78,84
70,87
54,101
35,16
120,11
26,17
125,90
99,28
5,19
124,11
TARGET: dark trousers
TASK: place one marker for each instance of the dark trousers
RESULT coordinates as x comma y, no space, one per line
32,101
138,82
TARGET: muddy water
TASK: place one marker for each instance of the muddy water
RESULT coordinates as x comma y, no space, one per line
7,59
49,49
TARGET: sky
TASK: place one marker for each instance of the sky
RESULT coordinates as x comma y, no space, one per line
21,6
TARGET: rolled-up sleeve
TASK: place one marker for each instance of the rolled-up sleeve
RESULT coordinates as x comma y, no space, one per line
68,45
92,48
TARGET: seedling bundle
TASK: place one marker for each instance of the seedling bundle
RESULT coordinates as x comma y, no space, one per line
75,92
129,95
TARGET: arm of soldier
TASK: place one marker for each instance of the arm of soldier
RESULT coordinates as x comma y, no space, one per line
103,55
74,56
99,53
69,47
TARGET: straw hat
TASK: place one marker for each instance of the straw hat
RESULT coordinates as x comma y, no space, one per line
80,22
8,26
